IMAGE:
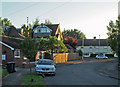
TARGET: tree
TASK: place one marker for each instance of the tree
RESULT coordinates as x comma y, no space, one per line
75,33
51,44
80,52
71,41
5,22
36,22
1,30
114,36
47,22
27,30
29,47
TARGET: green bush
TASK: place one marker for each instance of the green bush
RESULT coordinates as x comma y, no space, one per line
80,52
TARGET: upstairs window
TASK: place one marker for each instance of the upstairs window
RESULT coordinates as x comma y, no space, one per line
35,31
44,30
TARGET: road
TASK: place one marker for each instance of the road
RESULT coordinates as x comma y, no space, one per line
86,73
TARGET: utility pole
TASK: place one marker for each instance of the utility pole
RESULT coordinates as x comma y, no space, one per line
83,48
27,28
27,21
99,44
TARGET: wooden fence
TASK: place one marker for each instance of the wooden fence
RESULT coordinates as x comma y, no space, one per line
64,57
60,58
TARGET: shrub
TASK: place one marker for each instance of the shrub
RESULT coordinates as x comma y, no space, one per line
80,52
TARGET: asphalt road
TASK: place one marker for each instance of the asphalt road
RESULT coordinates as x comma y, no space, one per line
86,73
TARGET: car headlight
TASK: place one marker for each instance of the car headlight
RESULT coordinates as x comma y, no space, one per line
38,68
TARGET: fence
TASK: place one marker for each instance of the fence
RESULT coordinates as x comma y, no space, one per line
64,57
60,58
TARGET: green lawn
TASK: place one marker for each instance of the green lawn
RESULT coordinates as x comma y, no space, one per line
26,80
3,72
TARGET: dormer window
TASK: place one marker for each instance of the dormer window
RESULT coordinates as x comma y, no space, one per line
42,29
35,31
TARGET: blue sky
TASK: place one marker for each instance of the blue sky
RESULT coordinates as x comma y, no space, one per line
89,17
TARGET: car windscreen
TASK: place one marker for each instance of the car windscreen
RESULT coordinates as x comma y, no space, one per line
45,62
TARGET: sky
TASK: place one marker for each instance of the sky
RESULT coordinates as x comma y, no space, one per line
90,17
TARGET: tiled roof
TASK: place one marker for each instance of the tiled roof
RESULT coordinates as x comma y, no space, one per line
92,42
11,41
54,28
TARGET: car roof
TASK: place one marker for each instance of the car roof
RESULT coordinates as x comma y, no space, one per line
44,60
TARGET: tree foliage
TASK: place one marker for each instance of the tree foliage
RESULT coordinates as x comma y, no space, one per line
5,22
71,41
80,52
27,30
51,44
114,36
29,47
48,22
36,22
75,33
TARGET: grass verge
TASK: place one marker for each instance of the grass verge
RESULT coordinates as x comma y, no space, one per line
3,72
26,80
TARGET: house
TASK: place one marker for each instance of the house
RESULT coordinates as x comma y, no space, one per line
10,31
44,31
11,51
94,47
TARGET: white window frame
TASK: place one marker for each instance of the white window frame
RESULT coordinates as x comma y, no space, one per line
18,53
3,57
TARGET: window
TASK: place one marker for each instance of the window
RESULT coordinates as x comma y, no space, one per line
3,57
35,31
17,53
43,30
48,31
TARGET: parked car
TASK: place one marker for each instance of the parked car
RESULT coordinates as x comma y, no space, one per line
101,56
45,66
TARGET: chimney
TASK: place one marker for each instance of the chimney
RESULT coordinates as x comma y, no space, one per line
94,37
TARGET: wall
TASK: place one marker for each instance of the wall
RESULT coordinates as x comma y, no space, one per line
10,56
19,61
74,56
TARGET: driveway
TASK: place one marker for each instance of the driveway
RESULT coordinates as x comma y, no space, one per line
82,73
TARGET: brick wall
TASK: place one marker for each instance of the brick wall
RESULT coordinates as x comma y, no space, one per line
10,56
19,61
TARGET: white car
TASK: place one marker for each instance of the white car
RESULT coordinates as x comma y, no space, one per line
101,56
45,66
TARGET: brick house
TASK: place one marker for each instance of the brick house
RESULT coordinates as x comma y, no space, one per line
11,51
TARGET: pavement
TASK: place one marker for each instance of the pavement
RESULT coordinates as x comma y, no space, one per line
15,78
